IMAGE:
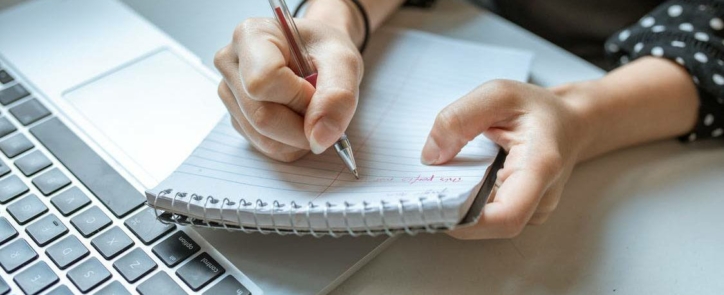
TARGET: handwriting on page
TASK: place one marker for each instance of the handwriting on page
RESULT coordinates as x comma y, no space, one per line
416,179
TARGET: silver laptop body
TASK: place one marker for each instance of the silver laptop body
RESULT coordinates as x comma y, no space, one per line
106,88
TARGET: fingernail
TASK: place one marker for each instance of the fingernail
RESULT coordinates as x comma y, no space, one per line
430,152
324,134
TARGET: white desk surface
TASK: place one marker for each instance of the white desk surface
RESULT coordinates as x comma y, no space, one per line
647,220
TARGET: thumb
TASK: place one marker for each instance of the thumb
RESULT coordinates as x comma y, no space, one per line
463,120
335,100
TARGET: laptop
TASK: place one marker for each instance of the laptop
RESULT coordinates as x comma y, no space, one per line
97,105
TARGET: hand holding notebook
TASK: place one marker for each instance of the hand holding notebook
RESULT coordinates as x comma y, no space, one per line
410,77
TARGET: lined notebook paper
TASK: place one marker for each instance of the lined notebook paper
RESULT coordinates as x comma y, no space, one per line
409,77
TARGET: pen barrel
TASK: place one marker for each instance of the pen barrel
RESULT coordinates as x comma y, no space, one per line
300,59
312,79
298,53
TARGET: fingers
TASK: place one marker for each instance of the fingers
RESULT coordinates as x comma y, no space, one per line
264,66
528,123
277,103
271,149
272,120
529,191
539,218
549,201
268,146
507,215
463,120
333,104
546,206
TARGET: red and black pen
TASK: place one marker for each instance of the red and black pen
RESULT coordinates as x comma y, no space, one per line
306,69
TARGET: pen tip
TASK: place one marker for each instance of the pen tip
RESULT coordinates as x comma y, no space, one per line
356,174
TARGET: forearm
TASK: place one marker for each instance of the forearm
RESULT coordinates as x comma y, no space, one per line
342,14
647,100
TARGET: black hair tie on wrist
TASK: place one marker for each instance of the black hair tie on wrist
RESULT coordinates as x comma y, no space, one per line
362,11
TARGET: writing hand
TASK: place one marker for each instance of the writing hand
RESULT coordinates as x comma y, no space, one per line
279,113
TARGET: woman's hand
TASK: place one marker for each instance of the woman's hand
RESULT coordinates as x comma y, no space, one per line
540,130
279,113
547,131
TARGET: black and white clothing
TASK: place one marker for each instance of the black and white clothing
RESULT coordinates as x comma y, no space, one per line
690,33
611,33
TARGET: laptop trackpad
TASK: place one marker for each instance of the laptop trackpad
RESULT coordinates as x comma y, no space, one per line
150,114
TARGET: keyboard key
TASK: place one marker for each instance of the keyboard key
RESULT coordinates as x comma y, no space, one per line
146,227
27,209
228,286
51,181
6,127
114,288
89,275
175,249
15,145
10,188
99,177
16,255
46,230
32,163
60,290
200,271
13,93
67,252
4,169
70,201
29,112
4,287
112,242
90,221
5,78
7,231
36,278
134,265
160,283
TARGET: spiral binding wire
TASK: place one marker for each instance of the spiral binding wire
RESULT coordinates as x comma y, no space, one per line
185,218
225,202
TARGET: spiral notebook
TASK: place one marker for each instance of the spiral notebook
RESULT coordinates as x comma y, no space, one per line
410,76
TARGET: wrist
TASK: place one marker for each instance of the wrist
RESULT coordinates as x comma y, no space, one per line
580,99
338,14
647,100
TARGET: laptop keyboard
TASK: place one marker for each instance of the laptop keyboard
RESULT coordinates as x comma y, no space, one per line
71,224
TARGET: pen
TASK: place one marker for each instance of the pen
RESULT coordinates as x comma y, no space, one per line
300,57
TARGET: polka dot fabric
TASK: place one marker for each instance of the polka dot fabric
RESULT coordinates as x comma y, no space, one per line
689,32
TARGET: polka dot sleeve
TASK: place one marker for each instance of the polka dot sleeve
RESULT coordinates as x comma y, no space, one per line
689,32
